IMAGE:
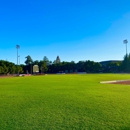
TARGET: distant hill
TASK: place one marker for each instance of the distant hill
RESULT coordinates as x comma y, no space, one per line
109,61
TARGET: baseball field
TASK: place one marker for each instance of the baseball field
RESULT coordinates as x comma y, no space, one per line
64,102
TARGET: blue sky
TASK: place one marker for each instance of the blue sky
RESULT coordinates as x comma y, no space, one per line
73,29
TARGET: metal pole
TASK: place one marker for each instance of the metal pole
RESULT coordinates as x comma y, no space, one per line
19,60
17,47
126,48
30,67
17,56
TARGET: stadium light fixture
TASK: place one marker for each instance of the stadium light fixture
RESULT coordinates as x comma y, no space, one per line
125,42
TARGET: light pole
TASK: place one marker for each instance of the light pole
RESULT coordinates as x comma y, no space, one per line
125,42
17,47
19,59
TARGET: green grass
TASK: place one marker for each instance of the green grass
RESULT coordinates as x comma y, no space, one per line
64,102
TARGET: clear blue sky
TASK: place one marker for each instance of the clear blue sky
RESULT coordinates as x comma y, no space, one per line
73,29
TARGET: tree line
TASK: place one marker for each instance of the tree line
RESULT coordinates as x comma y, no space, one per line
7,67
47,66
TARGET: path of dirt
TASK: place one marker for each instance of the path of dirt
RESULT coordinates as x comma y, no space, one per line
122,82
6,76
127,82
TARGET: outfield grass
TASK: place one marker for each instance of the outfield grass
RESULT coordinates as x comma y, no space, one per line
64,102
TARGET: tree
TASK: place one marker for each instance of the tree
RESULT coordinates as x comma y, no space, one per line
29,62
113,67
125,66
12,69
20,69
5,69
80,66
57,59
36,62
54,62
97,67
46,60
43,66
1,70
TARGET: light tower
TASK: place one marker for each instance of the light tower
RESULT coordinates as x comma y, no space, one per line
17,47
125,42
